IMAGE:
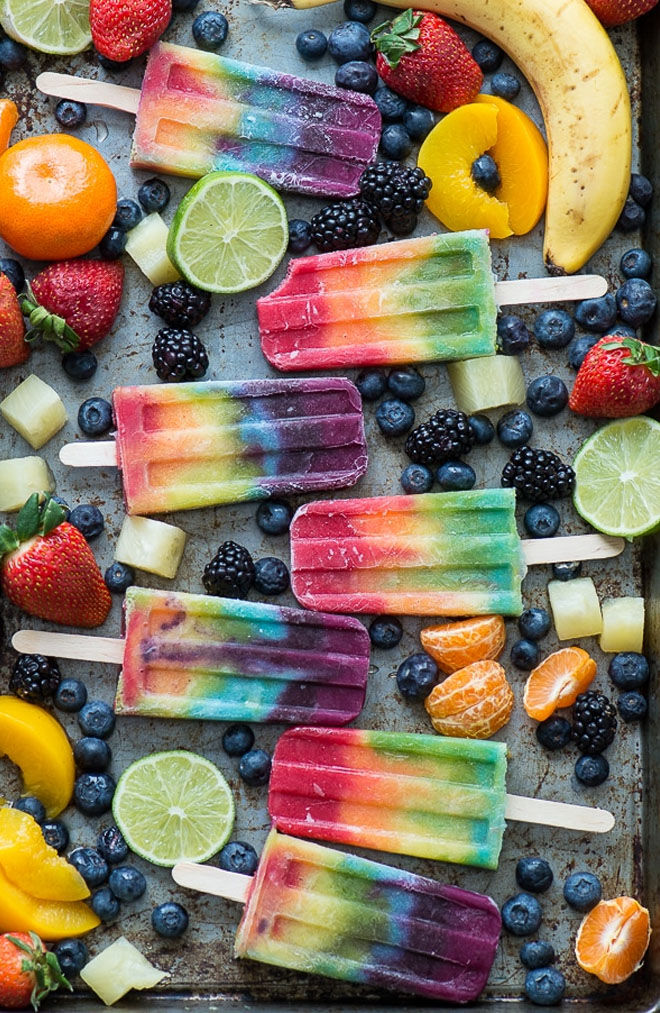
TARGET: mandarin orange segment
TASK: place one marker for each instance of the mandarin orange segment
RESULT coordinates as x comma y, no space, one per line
557,681
455,645
613,938
8,120
473,703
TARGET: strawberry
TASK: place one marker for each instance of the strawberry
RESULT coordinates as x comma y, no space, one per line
48,569
422,58
122,29
28,973
13,347
618,377
617,12
74,302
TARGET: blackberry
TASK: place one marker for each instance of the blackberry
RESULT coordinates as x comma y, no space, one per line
538,475
179,355
179,303
446,436
34,677
398,192
345,224
594,722
230,573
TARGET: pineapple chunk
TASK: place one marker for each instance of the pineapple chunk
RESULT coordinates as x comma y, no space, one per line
575,608
20,477
146,245
35,411
488,382
150,545
623,625
118,969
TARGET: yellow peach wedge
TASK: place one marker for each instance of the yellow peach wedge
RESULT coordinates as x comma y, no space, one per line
8,120
27,861
50,919
38,745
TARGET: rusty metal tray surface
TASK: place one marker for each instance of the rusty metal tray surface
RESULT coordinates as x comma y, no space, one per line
203,971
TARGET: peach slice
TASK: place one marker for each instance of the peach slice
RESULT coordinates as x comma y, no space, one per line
27,861
8,120
37,743
50,919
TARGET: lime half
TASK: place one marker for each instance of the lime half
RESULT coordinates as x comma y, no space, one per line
60,27
229,232
617,472
174,806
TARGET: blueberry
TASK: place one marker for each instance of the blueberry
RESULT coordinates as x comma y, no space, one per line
525,655
533,874
455,476
118,577
541,521
391,106
70,114
79,365
418,121
395,142
127,215
537,954
371,383
238,857
512,335
88,519
505,85
632,705
485,173
582,890
545,986
238,740
592,770
169,920
210,30
632,217
394,417
91,753
554,733
406,383
357,75
350,41
95,416
14,272
515,428
55,834
482,429
534,623
97,718
274,516
91,865
641,189
636,302
111,844
32,806
65,506
92,793
254,767
554,328
579,347
127,883
300,235
72,955
311,44
385,632
12,54
359,10
634,263
154,195
416,676
416,478
629,670
113,243
521,915
487,55
567,571
271,576
70,695
104,903
547,396
114,66
597,315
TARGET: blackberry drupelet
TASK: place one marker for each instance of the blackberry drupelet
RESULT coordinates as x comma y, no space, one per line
594,722
398,192
538,475
179,303
230,574
345,224
447,435
179,355
34,677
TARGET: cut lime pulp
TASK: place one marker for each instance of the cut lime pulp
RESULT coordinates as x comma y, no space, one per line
60,27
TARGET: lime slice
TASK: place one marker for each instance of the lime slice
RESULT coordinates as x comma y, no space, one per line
617,472
60,27
174,806
229,232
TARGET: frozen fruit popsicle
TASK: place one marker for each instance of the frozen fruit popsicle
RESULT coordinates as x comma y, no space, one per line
317,910
187,445
198,112
442,554
415,300
423,795
197,656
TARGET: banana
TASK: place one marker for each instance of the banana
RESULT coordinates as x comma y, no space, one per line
568,59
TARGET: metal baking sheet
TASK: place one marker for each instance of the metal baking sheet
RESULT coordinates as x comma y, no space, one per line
201,966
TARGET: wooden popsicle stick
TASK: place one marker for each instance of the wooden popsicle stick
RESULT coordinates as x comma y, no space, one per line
539,290
566,548
207,879
558,814
85,89
69,645
98,454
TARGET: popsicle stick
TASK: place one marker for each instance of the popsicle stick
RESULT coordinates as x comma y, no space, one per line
558,814
69,645
570,547
539,290
207,879
90,455
85,89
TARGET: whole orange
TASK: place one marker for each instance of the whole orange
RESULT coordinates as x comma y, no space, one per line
57,197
